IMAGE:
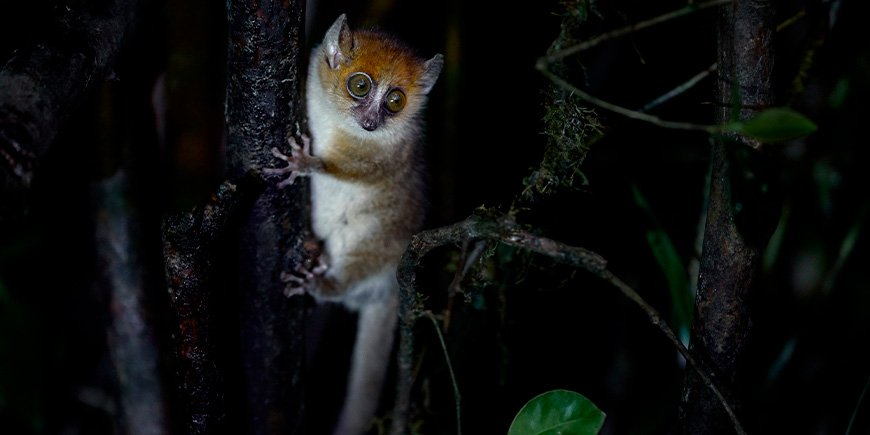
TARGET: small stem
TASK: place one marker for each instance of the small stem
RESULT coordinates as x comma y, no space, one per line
857,407
542,67
689,84
449,369
656,319
791,20
589,43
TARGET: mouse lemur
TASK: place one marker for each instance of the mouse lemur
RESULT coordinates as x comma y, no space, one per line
365,96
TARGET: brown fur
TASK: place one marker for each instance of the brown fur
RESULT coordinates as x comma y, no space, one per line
383,58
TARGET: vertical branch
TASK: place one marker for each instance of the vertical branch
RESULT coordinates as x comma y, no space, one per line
262,108
132,344
188,107
408,313
733,240
189,241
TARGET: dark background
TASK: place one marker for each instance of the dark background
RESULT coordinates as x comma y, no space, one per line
531,325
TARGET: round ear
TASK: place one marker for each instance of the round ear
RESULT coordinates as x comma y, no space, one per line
338,42
431,70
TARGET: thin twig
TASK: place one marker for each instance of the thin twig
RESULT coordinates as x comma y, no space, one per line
680,89
470,253
589,43
656,319
791,20
544,62
456,395
634,114
857,407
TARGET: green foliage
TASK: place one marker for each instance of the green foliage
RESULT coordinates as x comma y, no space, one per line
670,263
839,94
776,124
558,412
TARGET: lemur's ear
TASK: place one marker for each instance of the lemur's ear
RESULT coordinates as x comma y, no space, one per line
431,70
338,42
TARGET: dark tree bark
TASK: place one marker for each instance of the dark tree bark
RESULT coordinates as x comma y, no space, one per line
39,87
262,109
41,84
737,225
190,243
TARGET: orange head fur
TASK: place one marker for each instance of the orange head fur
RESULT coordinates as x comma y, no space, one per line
373,77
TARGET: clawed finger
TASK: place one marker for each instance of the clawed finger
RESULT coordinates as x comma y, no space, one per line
278,154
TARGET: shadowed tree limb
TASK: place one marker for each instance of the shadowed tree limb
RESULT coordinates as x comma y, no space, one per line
189,244
43,83
131,336
504,230
40,85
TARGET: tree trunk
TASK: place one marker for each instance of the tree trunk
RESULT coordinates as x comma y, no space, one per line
189,244
735,232
262,109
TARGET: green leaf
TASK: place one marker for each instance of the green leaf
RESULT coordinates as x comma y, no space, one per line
670,263
774,125
558,412
839,93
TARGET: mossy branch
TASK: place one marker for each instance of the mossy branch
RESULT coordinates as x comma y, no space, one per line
504,229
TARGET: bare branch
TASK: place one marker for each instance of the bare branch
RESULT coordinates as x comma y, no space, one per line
544,62
634,114
457,397
688,84
188,251
506,231
627,30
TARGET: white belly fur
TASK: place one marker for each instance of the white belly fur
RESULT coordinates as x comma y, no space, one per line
343,218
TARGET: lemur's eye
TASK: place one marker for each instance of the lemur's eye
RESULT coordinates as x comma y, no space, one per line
395,100
359,85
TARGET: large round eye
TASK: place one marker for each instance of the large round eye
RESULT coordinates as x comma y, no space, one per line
359,85
395,100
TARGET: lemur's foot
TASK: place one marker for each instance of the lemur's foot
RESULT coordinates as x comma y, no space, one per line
304,278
